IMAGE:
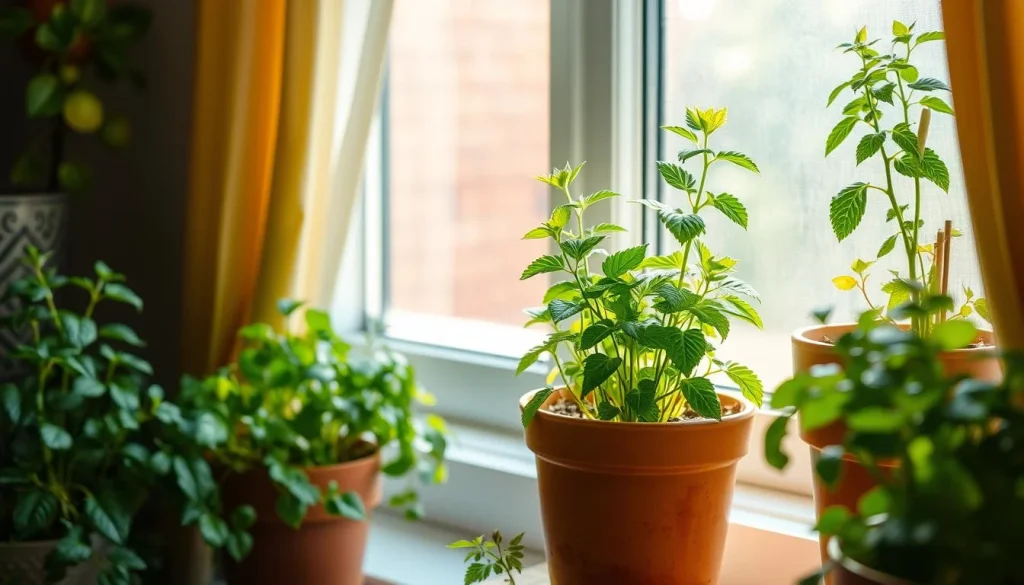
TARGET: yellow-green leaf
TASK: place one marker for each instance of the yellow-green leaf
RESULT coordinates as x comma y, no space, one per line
845,282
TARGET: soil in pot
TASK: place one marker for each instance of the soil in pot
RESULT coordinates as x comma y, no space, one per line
636,503
325,549
847,571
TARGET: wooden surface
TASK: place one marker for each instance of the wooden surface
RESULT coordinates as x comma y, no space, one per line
533,576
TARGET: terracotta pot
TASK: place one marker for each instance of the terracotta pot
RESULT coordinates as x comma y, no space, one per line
846,571
809,350
636,503
325,549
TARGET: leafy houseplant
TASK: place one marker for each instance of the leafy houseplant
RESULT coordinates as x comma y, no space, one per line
488,557
297,428
950,511
890,85
637,343
79,435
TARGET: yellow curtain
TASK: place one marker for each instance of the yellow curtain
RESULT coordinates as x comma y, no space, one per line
986,63
269,141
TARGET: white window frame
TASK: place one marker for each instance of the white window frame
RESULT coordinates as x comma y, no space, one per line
597,114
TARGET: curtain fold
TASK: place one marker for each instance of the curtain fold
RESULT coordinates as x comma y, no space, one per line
986,62
265,199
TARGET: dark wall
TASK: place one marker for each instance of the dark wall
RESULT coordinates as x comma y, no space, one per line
133,217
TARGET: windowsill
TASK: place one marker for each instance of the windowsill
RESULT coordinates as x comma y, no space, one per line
492,484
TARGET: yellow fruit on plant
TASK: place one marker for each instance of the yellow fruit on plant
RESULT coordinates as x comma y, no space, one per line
83,111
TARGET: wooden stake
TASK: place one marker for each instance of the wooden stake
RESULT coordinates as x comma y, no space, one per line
936,283
922,129
945,260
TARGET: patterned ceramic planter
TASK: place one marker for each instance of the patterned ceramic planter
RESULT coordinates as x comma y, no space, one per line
36,220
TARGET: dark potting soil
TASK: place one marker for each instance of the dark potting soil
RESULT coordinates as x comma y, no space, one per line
568,408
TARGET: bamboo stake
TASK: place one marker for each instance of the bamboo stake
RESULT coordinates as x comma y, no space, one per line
936,277
945,260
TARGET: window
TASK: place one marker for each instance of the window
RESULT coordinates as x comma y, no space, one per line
771,63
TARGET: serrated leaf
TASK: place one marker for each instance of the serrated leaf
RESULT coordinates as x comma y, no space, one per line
674,299
937,104
642,402
622,262
685,155
562,310
930,36
928,84
903,136
560,216
839,133
837,92
744,310
847,209
693,119
899,292
712,316
738,159
934,169
701,396
899,29
671,261
676,176
981,306
579,248
564,290
34,511
598,196
888,245
736,285
604,228
596,369
884,92
607,411
909,73
109,518
747,381
539,233
869,145
680,131
684,226
595,333
543,265
731,207
536,401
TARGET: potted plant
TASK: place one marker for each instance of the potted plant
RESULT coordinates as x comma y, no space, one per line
636,449
950,512
890,95
297,428
80,447
68,41
486,557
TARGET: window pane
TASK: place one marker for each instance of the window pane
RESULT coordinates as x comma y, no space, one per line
467,130
773,64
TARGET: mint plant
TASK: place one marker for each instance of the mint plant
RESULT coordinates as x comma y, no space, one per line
886,85
82,434
486,557
640,336
302,399
950,509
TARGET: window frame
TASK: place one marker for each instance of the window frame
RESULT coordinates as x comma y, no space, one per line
605,109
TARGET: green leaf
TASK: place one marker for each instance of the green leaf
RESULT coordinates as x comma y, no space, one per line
899,29
832,520
10,397
607,411
34,512
738,159
679,130
888,245
731,207
847,209
829,464
598,196
88,387
126,558
937,104
876,419
899,292
560,216
869,145
676,176
909,74
876,501
239,545
347,505
862,35
477,573
44,96
565,290
539,233
837,92
536,401
579,248
736,285
928,84
693,120
72,549
89,12
15,22
684,226
930,36
675,299
122,294
55,437
690,349
562,310
109,517
839,133
214,530
596,369
773,453
685,155
954,334
672,261
981,306
593,335
543,265
747,381
642,402
935,170
243,517
709,314
903,136
604,228
884,92
288,306
743,310
622,262
701,396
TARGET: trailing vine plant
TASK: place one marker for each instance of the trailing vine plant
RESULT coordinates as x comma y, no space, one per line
890,84
640,337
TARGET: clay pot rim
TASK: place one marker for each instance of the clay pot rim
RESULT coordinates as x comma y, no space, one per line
801,336
835,552
359,462
735,418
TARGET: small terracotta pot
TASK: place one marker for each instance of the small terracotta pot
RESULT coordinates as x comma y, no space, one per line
636,503
325,549
809,350
846,571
